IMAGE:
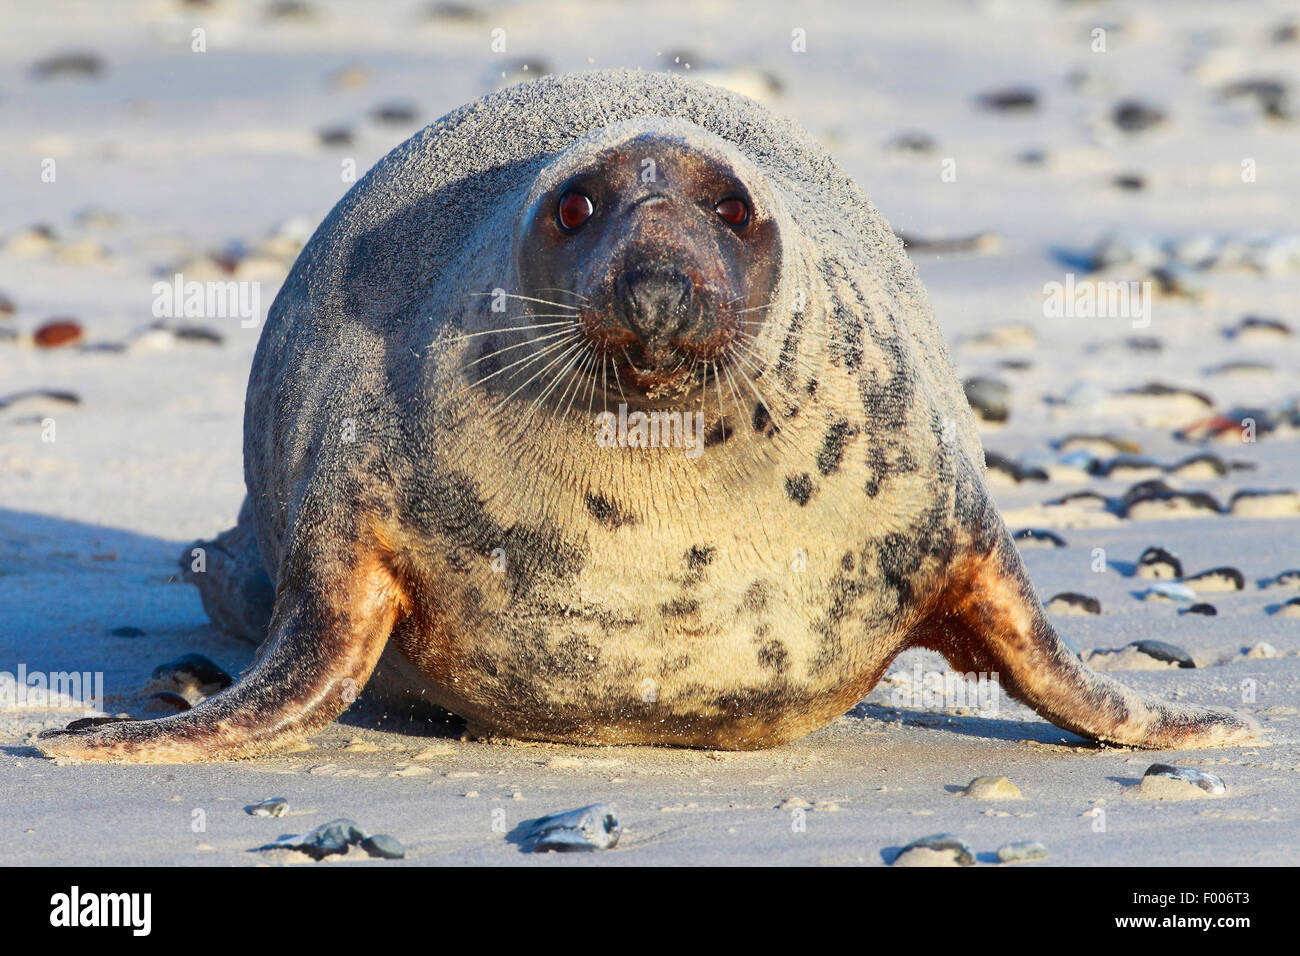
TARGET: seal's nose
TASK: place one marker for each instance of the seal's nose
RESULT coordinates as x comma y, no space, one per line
655,303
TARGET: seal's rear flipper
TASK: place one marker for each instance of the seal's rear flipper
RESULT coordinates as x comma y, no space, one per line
989,620
327,632
237,592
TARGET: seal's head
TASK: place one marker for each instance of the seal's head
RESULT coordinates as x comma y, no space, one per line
662,245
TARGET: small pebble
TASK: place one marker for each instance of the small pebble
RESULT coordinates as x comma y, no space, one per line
335,136
1152,503
395,113
1128,467
1209,610
593,827
1165,782
57,333
1010,100
1070,602
126,630
328,839
1156,562
1257,503
1161,651
1259,328
1217,579
1098,444
270,807
1262,651
1287,579
992,788
1290,609
193,672
912,142
988,397
1204,465
1038,538
1028,852
79,64
1169,591
1135,116
166,702
939,849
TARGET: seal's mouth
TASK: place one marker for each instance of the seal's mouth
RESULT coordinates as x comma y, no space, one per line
660,356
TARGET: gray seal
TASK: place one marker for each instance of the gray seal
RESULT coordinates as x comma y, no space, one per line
614,411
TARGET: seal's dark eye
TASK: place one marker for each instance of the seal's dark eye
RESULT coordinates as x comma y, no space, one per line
574,209
733,210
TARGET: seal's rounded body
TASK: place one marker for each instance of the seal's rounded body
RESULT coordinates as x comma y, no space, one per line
613,409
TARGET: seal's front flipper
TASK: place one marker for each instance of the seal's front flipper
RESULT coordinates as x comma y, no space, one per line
327,632
989,620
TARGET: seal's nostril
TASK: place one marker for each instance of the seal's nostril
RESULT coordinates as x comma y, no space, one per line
656,302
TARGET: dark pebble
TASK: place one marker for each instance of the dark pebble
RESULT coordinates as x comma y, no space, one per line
1122,463
1129,182
167,702
193,669
1161,651
290,10
270,807
200,334
1039,537
335,136
77,63
1210,783
1089,604
988,397
1287,579
462,13
1209,610
6,305
1158,563
126,631
912,142
1230,575
1271,96
328,839
1259,323
394,113
1215,463
1010,100
1134,116
1079,497
593,827
52,394
1144,343
1157,490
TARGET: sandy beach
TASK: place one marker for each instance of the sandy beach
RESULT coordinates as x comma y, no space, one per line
1012,145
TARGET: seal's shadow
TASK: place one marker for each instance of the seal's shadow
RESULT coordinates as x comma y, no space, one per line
1036,730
